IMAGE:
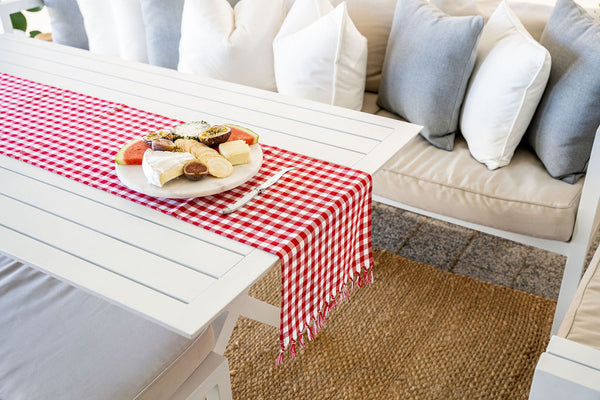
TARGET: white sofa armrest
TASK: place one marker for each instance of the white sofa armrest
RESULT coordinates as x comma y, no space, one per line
8,7
574,351
567,370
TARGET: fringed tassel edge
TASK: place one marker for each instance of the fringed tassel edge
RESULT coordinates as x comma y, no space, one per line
365,276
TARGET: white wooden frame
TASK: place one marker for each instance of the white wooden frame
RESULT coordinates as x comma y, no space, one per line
567,370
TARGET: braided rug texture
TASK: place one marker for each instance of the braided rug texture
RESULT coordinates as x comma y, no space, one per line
415,333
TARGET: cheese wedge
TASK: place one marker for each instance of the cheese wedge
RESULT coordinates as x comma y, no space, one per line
236,152
161,166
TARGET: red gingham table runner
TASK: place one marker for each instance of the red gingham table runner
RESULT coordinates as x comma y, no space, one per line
317,219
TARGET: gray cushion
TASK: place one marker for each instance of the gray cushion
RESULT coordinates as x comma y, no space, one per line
59,342
162,19
428,62
563,128
66,23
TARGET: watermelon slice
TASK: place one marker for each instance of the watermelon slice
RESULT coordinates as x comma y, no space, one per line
241,133
132,152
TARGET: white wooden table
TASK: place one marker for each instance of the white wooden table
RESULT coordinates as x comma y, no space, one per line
95,240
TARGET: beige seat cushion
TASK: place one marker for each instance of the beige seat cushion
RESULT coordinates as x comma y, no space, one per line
520,197
58,342
582,322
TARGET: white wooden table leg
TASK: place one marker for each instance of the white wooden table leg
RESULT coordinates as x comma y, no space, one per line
248,307
224,333
210,381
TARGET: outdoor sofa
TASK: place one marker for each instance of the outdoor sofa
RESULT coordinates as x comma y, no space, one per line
456,177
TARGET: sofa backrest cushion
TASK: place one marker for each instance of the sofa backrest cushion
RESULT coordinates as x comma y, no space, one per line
582,321
430,57
532,13
320,55
66,23
510,74
564,126
373,19
235,45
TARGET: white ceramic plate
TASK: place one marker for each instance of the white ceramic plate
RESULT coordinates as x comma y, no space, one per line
133,177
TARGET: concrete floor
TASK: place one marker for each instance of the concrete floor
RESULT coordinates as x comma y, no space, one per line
468,252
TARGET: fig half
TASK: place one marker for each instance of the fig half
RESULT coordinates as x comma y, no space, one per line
194,170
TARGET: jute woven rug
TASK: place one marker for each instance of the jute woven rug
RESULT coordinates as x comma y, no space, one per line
415,333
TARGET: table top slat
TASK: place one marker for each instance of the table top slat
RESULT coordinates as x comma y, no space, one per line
260,101
108,253
170,245
97,196
142,300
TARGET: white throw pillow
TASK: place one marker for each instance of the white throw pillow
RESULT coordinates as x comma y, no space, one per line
130,29
115,27
373,19
99,26
320,55
235,45
507,83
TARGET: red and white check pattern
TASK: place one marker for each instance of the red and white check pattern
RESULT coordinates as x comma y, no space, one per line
317,218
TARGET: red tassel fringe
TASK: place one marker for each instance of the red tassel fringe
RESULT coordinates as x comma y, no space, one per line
293,350
309,334
301,341
364,277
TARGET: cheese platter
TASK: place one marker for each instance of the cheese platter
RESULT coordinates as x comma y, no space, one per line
134,178
193,159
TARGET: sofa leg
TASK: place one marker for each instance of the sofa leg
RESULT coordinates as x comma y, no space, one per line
568,287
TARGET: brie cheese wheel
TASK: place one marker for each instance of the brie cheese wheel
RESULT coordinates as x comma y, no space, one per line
161,166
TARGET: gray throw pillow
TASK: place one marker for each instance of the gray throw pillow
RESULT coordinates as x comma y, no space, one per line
162,19
563,128
428,63
66,23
